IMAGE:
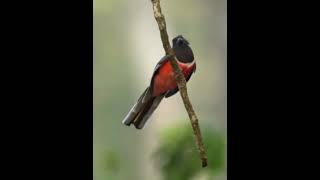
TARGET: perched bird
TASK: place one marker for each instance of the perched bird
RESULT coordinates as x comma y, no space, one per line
163,83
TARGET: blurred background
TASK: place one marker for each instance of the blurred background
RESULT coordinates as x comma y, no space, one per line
126,48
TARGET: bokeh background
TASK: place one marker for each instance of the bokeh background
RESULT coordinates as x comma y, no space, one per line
127,46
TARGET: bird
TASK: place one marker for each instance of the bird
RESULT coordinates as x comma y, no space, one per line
162,84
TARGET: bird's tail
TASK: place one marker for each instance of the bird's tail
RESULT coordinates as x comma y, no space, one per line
142,110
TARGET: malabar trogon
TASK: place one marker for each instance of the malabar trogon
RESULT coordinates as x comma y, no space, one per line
163,83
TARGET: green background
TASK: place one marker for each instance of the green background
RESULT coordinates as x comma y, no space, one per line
126,48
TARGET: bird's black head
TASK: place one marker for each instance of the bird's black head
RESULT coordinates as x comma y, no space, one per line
182,49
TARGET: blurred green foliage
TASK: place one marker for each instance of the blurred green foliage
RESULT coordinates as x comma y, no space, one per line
119,151
178,157
112,161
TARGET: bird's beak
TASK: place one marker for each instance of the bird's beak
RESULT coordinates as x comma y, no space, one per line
179,41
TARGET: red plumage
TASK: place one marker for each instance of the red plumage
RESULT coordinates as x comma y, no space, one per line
164,80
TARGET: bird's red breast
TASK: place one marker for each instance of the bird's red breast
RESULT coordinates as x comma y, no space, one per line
164,80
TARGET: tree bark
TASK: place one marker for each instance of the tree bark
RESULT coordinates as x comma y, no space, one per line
181,81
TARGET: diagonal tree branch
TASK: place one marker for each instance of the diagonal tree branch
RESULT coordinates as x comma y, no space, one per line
181,81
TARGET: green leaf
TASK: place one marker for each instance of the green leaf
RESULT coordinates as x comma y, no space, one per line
178,156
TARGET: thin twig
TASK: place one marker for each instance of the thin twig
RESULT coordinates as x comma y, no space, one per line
180,79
